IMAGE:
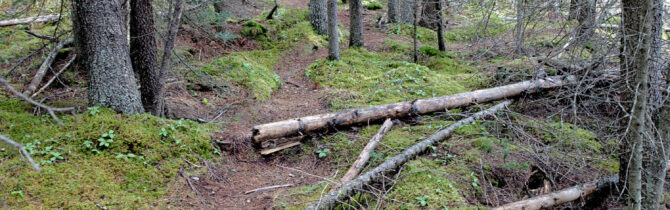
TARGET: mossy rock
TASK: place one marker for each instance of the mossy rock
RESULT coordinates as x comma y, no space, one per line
253,29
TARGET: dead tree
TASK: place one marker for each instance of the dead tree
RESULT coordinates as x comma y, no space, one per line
378,173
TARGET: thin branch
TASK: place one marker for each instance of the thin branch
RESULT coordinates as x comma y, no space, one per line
22,149
49,109
55,76
50,38
267,188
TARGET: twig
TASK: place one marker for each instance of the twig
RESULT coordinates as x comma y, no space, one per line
49,109
298,170
55,76
23,151
181,173
50,38
267,188
279,148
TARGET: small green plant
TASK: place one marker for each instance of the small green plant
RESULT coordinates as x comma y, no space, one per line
93,110
422,200
475,181
323,152
206,102
164,133
106,139
17,193
430,51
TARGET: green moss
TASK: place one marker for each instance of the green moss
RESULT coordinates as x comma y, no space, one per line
290,28
423,177
373,78
570,136
254,74
374,6
90,175
428,50
253,29
396,45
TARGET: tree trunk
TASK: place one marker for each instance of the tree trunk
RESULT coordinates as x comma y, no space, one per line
173,28
318,16
519,26
635,58
102,45
441,43
356,38
220,9
417,4
298,126
393,163
333,32
143,55
574,9
393,11
586,18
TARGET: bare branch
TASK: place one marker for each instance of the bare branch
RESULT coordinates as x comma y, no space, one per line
22,149
49,109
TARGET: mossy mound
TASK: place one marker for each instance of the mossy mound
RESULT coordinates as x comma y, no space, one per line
373,78
99,159
423,184
253,29
374,6
254,74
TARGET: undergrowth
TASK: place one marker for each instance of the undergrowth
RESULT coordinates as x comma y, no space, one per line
99,160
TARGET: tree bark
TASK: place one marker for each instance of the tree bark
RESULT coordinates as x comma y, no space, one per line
635,58
356,38
393,11
102,45
318,16
143,55
42,71
441,43
298,126
333,32
393,163
586,18
363,158
519,26
417,4
173,28
37,19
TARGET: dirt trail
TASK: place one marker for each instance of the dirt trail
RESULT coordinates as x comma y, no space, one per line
298,96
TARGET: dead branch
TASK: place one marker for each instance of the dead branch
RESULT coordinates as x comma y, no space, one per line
563,196
45,65
37,19
299,126
55,76
49,109
50,38
267,188
280,147
393,163
363,158
181,173
23,151
272,12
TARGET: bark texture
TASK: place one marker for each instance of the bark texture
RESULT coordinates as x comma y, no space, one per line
102,45
298,126
519,26
333,32
376,174
586,17
393,11
356,38
441,43
318,16
635,59
143,55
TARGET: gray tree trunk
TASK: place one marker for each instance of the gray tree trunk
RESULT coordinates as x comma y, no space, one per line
143,55
417,10
102,45
356,38
333,32
441,43
635,60
586,17
519,26
393,11
318,16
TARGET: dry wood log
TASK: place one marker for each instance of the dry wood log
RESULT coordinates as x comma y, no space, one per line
298,126
37,19
393,163
45,65
62,69
563,196
363,158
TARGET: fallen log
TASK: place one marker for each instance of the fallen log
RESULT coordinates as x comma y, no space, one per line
45,65
37,19
393,163
298,126
563,196
363,158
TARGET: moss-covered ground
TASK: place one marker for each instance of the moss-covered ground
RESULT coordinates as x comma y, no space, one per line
99,159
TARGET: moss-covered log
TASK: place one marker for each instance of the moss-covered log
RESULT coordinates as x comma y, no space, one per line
298,126
393,163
